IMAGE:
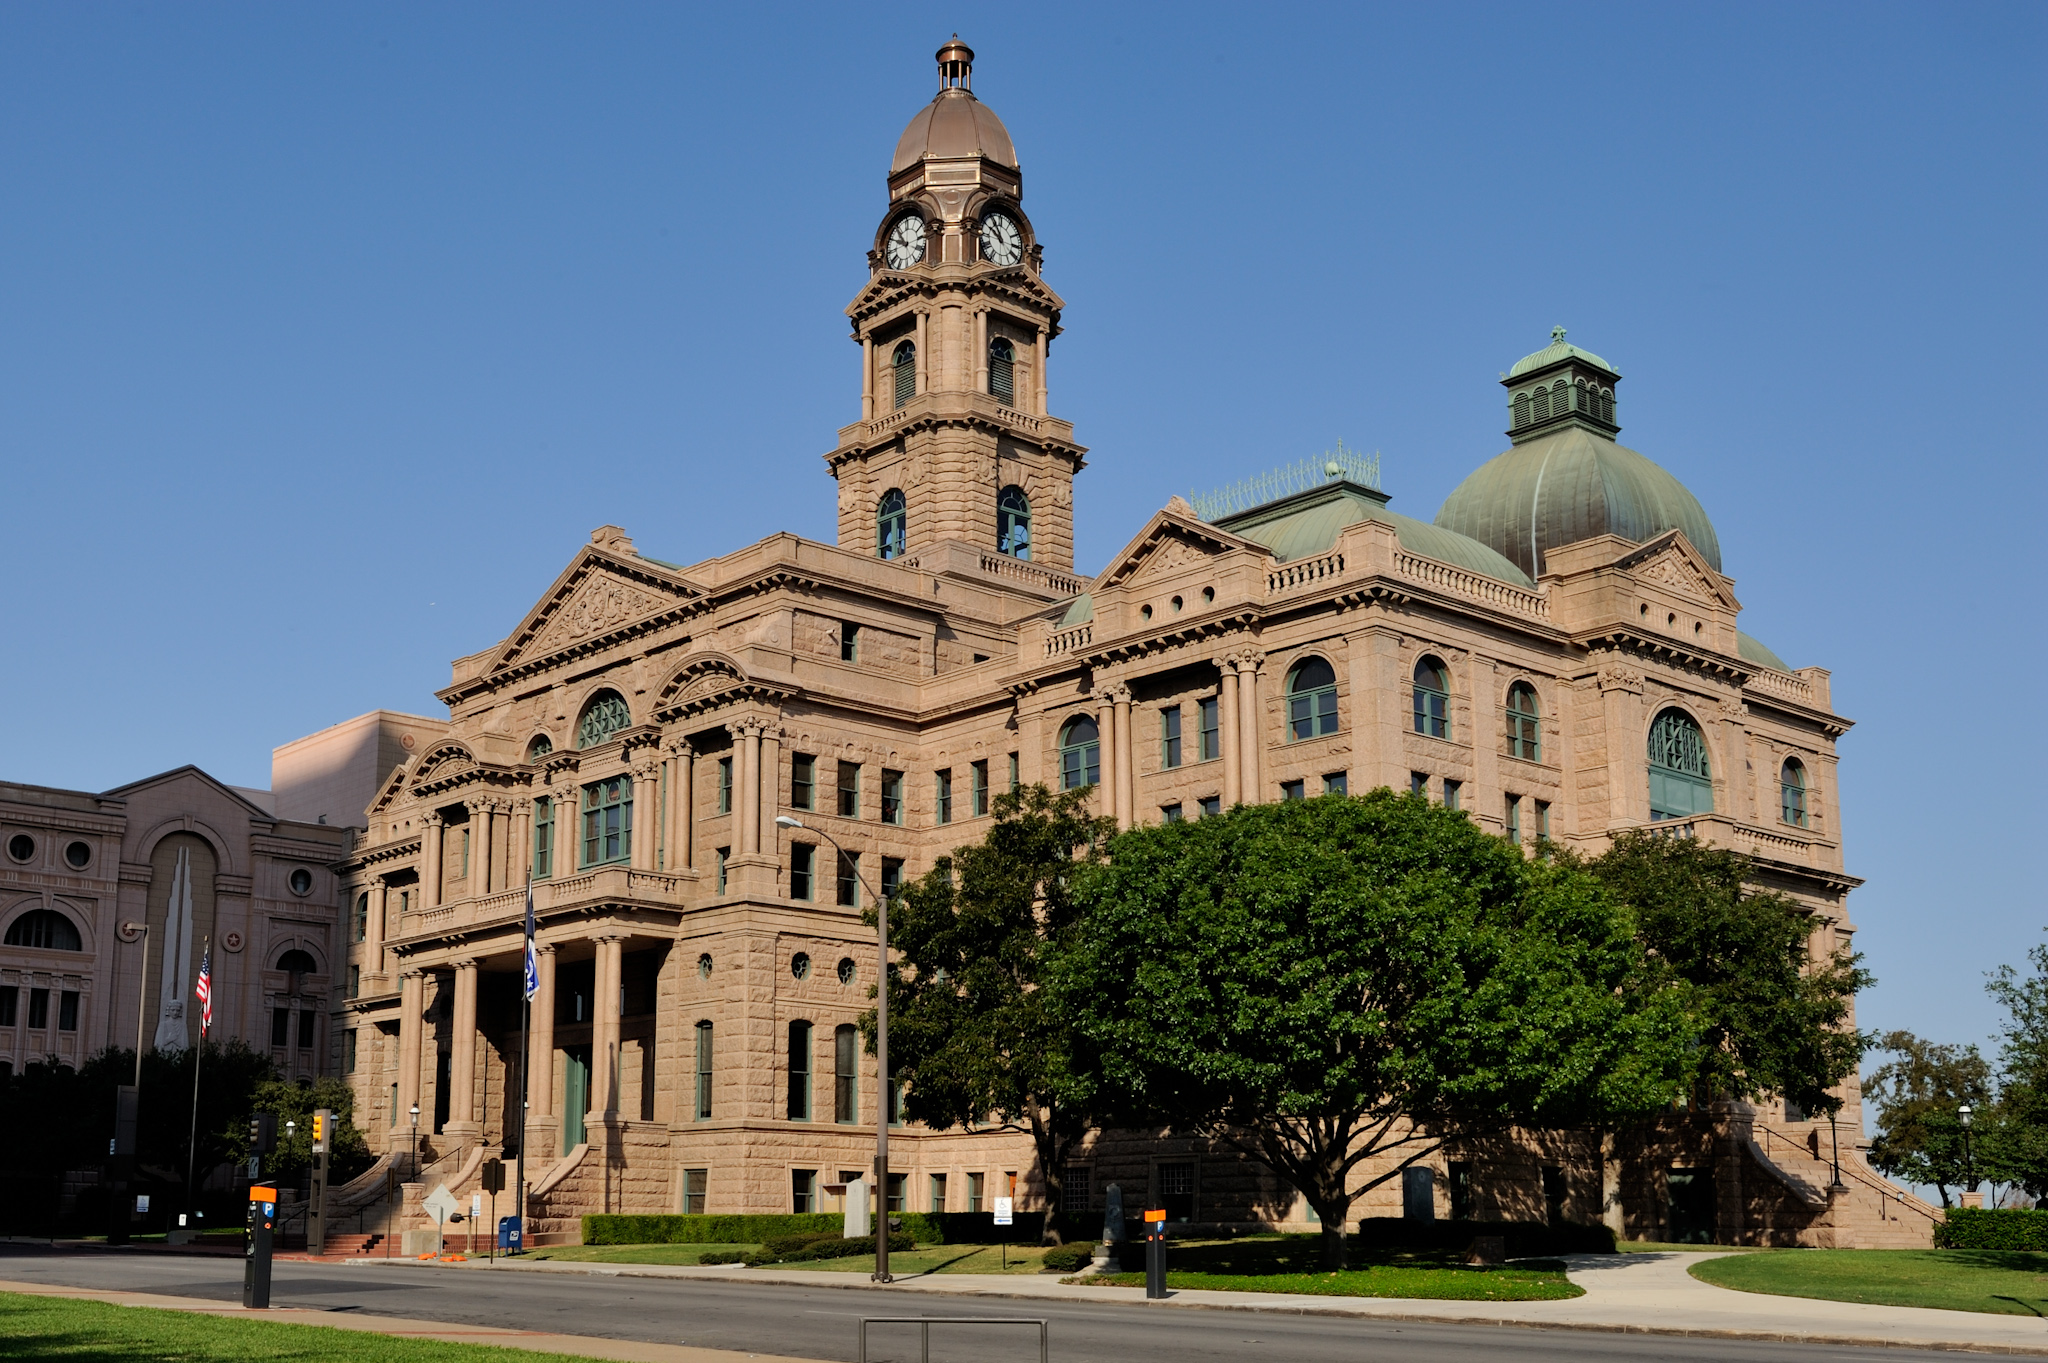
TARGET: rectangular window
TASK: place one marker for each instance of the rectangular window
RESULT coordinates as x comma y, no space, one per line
280,1026
10,996
724,855
980,788
849,790
803,857
849,880
38,1010
725,785
945,795
543,838
1293,790
608,821
1514,818
1452,793
305,1029
1418,783
892,796
1461,1191
1016,782
803,781
845,1075
938,1194
1212,805
1212,729
359,926
803,1191
348,1051
394,1105
1336,783
1177,1190
465,851
704,1071
798,1108
974,1193
1543,818
1171,813
695,1182
895,1089
893,1200
355,981
67,1011
892,877
849,642
1077,1189
1169,736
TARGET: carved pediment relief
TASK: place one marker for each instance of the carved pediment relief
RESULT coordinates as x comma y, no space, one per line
1670,561
1671,570
595,597
709,680
1170,544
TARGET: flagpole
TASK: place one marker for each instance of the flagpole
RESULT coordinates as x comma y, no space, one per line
192,1139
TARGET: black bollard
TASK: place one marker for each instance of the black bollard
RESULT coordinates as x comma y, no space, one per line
1155,1255
256,1255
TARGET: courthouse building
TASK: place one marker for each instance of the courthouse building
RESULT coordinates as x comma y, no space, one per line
1557,652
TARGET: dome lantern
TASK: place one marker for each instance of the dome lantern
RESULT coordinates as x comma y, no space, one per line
1560,386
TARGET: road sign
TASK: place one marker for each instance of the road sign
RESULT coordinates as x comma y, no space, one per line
1005,1211
441,1204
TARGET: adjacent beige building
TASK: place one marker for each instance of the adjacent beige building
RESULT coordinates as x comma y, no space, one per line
1557,652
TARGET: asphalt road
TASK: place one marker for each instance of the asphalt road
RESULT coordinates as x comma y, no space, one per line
818,1322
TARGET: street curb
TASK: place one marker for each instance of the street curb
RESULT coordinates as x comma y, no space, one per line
1257,1308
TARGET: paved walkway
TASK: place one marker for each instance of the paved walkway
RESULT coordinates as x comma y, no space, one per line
1645,1293
587,1346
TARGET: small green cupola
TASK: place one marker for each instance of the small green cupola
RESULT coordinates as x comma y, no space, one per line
1560,386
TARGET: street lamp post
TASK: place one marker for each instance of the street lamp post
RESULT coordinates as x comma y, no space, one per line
415,1140
1964,1114
881,1273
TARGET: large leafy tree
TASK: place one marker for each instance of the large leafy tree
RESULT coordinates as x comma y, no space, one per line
971,1031
1918,1096
1324,983
2016,1142
1773,1020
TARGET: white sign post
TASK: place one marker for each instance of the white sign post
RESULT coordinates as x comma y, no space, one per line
1005,1215
441,1204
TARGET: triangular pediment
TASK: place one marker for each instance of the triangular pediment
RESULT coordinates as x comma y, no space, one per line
1671,562
1171,542
599,595
188,772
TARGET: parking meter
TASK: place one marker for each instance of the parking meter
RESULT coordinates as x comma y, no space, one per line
256,1250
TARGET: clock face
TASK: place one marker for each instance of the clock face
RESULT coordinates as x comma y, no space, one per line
905,246
1001,241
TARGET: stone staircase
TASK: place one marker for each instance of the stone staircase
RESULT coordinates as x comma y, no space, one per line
1864,1211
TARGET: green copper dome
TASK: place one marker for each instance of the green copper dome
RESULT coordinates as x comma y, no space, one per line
1552,353
1570,485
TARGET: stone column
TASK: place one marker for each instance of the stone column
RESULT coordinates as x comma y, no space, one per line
430,861
1126,775
867,378
1744,783
682,811
604,1026
1038,372
519,864
1621,704
1105,746
1226,732
1488,729
462,1048
412,1005
646,814
769,780
924,370
373,927
1251,732
746,804
981,350
480,848
540,1039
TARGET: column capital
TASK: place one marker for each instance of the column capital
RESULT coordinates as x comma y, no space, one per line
647,771
413,972
1117,694
463,963
1244,660
432,819
541,948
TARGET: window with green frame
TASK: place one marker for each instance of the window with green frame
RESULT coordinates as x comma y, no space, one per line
1169,736
1681,778
543,837
1211,729
1432,699
1080,753
725,785
1525,727
1311,699
1792,792
604,716
891,518
903,366
608,821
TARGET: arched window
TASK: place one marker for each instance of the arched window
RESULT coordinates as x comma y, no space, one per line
604,716
1525,732
891,516
845,1075
1432,699
46,930
1579,403
1521,409
1792,792
1311,699
1542,406
298,962
1002,370
541,747
799,1108
1013,523
905,362
1080,753
1681,781
1607,405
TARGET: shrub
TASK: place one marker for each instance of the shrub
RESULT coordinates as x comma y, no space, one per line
826,1247
1069,1258
1525,1239
1992,1228
706,1230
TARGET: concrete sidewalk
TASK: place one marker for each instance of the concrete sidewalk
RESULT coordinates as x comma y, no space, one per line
1626,1293
586,1346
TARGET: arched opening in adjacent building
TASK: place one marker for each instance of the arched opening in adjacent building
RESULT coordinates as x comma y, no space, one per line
1080,753
44,930
1432,699
1681,777
1013,522
1311,699
892,519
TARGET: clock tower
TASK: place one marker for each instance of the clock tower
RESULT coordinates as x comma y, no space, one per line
954,443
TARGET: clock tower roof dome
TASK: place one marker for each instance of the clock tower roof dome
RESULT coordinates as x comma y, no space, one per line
955,125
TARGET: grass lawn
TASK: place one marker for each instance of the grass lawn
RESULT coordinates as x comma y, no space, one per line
1289,1263
934,1259
2001,1282
636,1254
94,1332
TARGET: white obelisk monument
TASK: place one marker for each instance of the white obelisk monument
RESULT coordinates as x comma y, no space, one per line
171,1033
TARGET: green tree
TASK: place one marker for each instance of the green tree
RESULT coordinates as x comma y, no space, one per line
1325,982
294,1102
1772,1020
971,1031
1918,1098
2015,1143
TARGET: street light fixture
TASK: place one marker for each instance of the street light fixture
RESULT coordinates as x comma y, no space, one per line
881,1273
1964,1113
415,1140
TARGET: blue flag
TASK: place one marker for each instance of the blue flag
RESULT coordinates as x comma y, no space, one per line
532,965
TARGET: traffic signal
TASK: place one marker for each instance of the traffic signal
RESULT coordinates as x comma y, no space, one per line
262,1133
319,1128
493,1176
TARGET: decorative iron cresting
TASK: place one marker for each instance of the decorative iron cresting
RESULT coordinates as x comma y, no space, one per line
1363,469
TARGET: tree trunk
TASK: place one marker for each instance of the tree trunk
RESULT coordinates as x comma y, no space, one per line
1610,1185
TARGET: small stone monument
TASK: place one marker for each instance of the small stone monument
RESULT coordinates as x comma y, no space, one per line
1105,1260
857,1209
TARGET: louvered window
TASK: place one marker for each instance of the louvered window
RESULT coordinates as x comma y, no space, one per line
1002,371
906,372
1521,409
1681,780
1542,404
1607,405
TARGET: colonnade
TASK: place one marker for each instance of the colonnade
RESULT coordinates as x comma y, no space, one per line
1238,720
951,374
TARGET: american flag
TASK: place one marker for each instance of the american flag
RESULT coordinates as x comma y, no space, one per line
204,991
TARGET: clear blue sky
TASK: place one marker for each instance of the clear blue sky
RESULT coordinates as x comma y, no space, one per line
328,333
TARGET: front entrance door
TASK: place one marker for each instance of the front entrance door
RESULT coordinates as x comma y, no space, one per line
1692,1206
575,1095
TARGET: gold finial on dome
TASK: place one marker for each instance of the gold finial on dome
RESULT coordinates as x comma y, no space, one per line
956,65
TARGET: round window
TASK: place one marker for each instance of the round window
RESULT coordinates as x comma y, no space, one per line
704,965
800,966
21,847
301,882
78,854
846,970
